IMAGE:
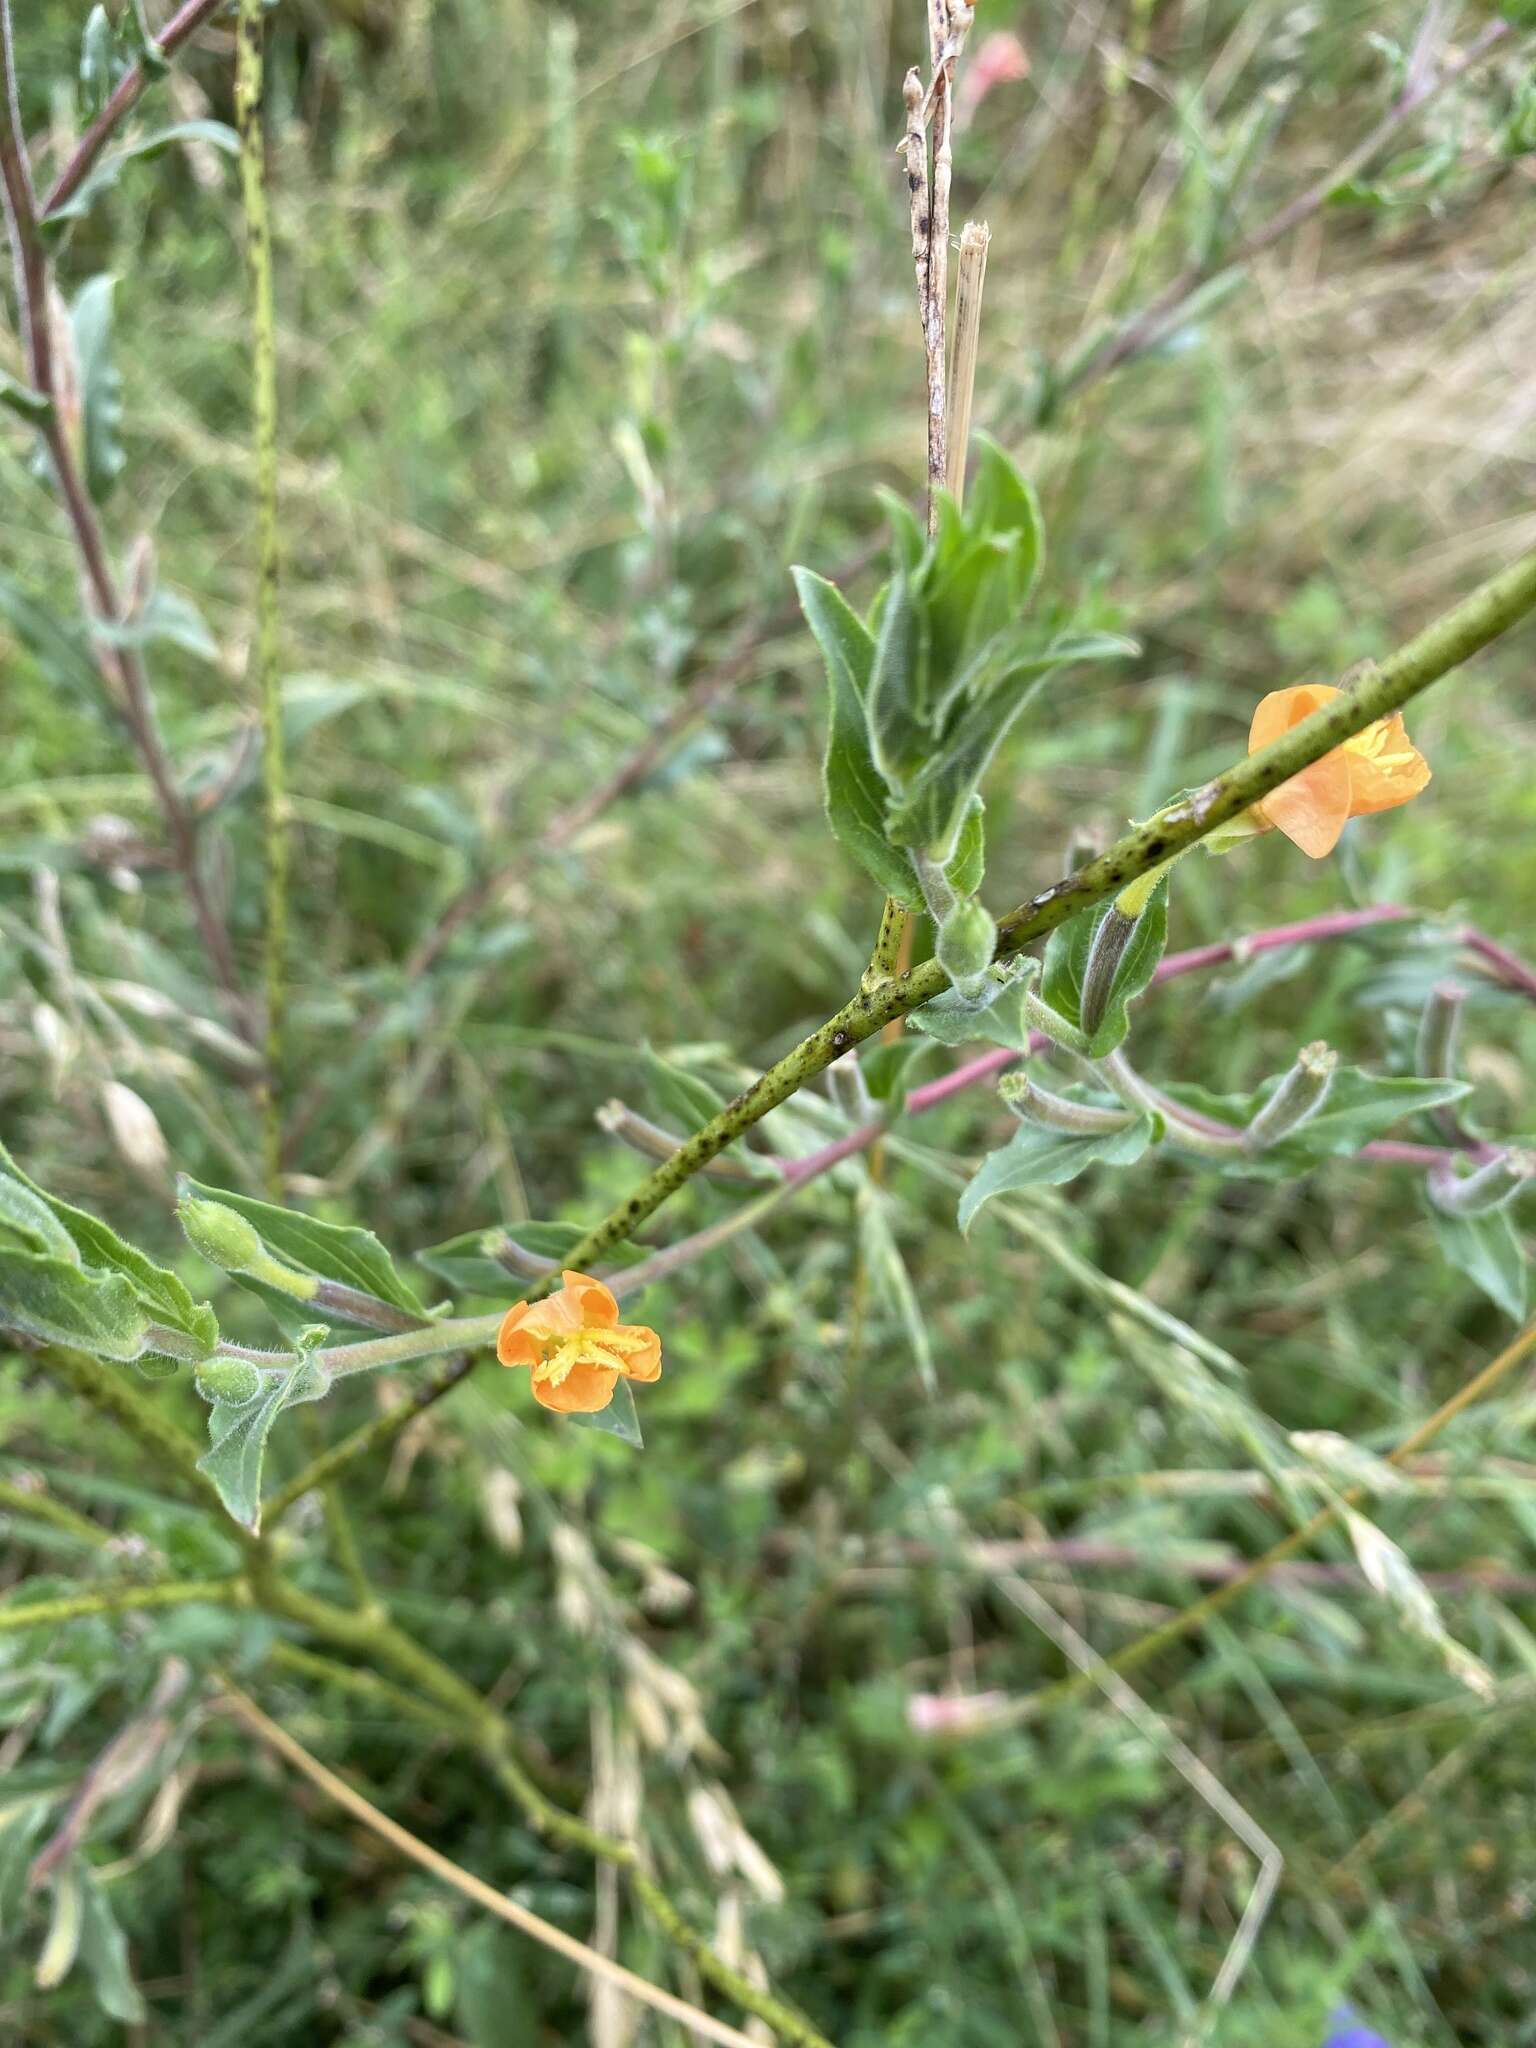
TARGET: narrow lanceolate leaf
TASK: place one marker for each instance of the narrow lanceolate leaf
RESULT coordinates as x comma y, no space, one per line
1489,1250
104,1952
1037,1157
240,1434
853,789
332,1251
162,1296
618,1419
1068,951
890,1280
213,134
952,1020
101,387
59,1302
505,1260
1357,1108
684,1097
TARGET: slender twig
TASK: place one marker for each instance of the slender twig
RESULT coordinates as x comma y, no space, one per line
32,1503
1147,327
124,1600
265,650
172,1450
699,2024
1442,646
125,96
1196,1616
122,667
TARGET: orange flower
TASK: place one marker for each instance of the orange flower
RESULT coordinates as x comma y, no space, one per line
1375,771
576,1346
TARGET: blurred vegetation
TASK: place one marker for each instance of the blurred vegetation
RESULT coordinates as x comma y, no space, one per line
592,321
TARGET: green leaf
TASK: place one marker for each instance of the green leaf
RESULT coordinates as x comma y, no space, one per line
953,1021
165,617
240,1432
58,1302
111,168
617,1419
100,65
1358,1107
21,399
61,1944
477,1262
685,1098
331,1251
1067,953
21,1822
158,1290
104,1952
852,787
1489,1250
60,651
895,707
890,1283
968,862
1037,1157
101,388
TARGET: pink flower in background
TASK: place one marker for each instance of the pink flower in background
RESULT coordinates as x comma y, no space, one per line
1001,60
935,1713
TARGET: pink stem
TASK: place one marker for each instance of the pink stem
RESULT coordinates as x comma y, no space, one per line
1329,924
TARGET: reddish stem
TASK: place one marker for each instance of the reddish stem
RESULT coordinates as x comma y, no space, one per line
125,96
1328,924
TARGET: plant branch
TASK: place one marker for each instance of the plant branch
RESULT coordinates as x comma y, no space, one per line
37,1506
1203,1610
125,96
265,651
230,1592
173,1450
1442,646
1147,327
123,667
699,2024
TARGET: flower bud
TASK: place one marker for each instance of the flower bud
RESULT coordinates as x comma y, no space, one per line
1299,1096
1435,1058
220,1233
1038,1105
1490,1187
1104,957
229,1380
966,941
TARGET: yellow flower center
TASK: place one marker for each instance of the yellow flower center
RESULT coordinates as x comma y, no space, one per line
610,1349
1372,744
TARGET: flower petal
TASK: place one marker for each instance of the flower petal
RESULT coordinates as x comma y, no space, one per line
1385,767
645,1363
586,1389
515,1344
1312,809
1275,714
594,1304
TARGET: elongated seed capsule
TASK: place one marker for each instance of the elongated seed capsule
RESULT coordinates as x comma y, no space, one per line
1039,1105
1299,1096
1490,1187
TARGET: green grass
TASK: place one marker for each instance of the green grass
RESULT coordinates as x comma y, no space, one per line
588,328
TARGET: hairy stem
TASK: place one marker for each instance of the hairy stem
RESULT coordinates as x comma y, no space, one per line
122,668
231,1592
265,651
125,96
1443,645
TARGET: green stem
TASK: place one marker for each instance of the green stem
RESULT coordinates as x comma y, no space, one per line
1443,645
173,1450
123,1600
885,959
42,1507
265,653
382,1642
